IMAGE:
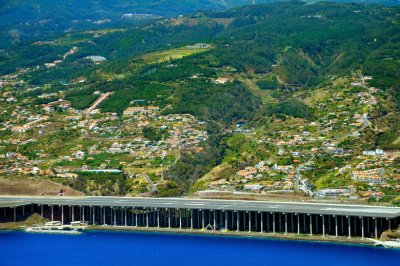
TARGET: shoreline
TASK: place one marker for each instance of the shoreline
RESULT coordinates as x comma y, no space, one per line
276,236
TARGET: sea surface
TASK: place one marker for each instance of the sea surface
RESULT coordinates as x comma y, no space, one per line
115,248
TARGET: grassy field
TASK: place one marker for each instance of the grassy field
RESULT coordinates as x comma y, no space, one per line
167,55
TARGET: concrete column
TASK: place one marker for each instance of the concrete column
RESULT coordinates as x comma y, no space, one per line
41,211
158,218
292,222
169,218
362,227
249,222
15,214
237,221
298,223
147,218
83,212
286,226
115,216
262,223
136,218
323,225
191,219
62,214
336,227
390,224
104,215
226,220
93,214
73,213
310,215
215,222
273,223
126,217
342,225
349,225
376,227
180,218
52,213
202,219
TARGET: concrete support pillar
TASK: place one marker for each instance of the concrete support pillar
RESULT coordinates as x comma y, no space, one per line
286,225
202,219
15,214
215,222
273,223
292,222
362,227
342,225
41,211
104,215
180,218
226,220
310,215
376,227
115,216
125,218
390,224
298,223
237,221
169,218
262,222
52,213
62,214
73,213
336,227
136,218
191,219
249,222
147,218
158,218
349,225
93,214
83,212
323,225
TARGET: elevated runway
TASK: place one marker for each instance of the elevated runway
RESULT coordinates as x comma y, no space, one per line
207,204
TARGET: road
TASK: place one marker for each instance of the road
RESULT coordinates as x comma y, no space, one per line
207,204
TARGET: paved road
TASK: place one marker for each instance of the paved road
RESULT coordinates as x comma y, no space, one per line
206,204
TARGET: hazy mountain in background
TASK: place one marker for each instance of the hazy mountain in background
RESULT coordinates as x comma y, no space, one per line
34,19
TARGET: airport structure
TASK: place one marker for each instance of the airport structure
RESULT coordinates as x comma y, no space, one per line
336,220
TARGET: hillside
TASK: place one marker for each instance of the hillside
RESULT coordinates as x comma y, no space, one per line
282,97
35,19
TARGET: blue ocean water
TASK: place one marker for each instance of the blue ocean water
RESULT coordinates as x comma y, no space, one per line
114,248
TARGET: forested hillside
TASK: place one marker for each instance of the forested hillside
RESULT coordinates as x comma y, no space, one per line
286,83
